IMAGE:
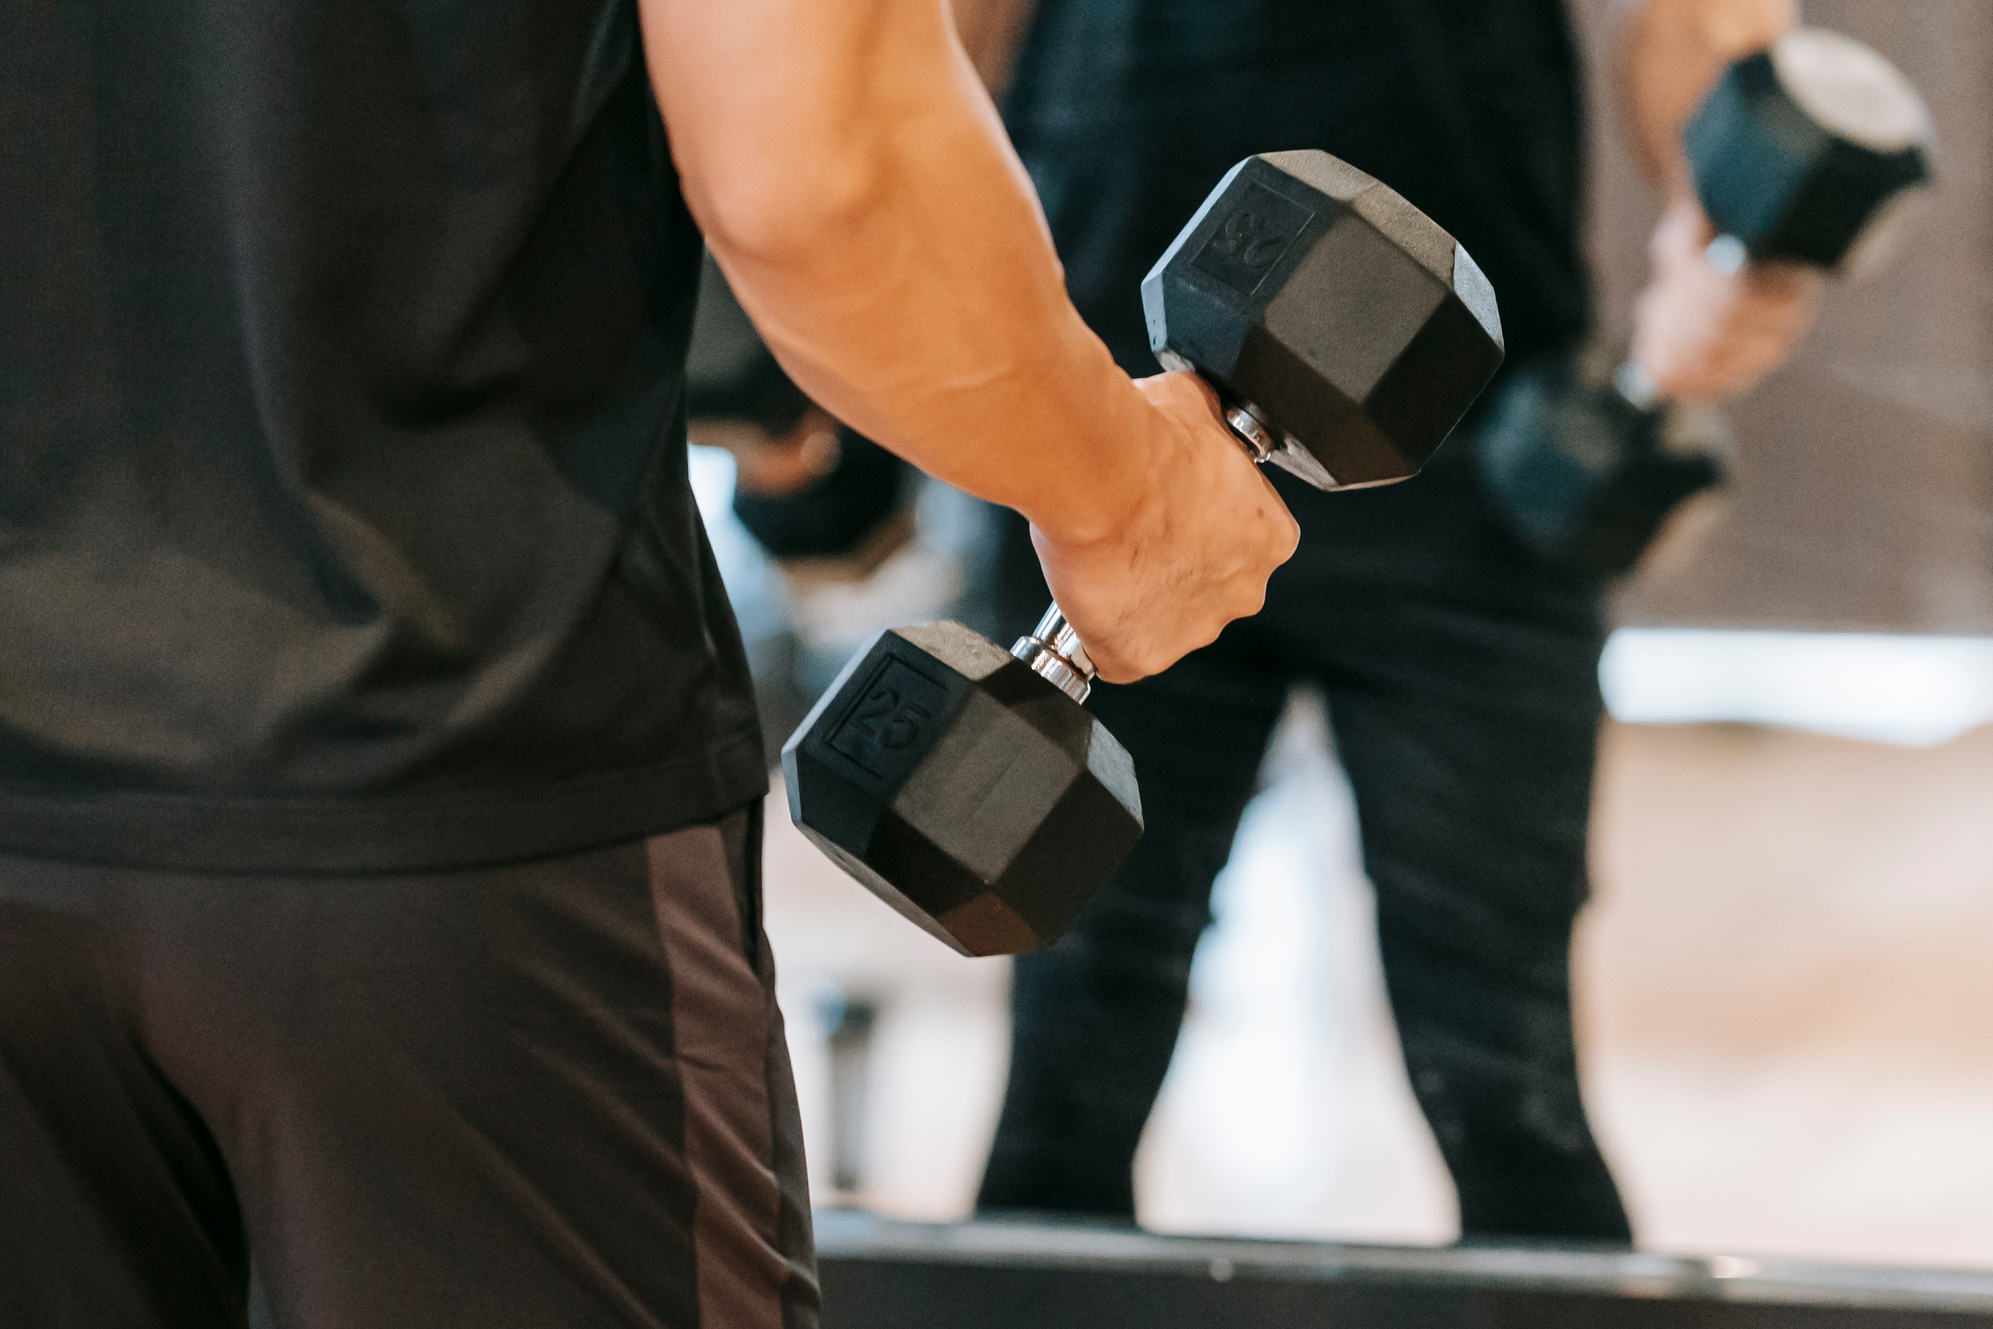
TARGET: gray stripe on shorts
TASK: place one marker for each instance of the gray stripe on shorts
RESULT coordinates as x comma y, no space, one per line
742,1140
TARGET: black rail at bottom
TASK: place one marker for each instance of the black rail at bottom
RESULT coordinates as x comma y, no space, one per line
882,1274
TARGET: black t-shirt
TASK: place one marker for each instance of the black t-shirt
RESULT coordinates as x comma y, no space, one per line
1127,112
344,520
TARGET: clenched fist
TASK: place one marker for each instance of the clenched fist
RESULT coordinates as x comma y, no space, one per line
1703,333
1194,551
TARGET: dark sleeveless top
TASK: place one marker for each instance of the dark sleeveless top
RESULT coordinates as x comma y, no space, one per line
344,520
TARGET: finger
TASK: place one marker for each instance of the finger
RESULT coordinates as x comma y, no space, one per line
1774,277
1245,603
1778,326
1287,533
1740,371
1179,388
1205,392
1681,237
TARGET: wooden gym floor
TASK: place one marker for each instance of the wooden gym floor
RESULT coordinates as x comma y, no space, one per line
1786,1003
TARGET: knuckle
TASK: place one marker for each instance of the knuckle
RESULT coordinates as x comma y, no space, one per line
1247,601
1290,536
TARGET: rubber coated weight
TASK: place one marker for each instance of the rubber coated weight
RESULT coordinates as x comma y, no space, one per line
963,789
1798,151
1586,477
1333,310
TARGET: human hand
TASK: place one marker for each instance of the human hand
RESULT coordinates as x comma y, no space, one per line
1702,333
772,467
1194,553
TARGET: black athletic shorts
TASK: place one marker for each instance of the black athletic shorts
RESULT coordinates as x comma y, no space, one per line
549,1094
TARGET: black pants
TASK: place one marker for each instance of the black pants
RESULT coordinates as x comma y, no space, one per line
549,1094
1463,693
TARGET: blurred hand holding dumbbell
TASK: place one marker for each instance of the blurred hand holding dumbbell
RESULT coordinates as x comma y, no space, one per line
1800,162
1703,331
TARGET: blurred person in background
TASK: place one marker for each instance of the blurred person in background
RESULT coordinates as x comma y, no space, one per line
1462,678
379,779
1461,672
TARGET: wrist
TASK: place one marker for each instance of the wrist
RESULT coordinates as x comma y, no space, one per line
1100,477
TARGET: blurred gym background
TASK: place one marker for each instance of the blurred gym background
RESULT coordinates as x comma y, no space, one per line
1786,980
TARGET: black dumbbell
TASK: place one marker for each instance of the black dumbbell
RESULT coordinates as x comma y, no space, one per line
1810,152
1345,335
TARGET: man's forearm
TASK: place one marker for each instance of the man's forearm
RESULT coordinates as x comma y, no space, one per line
855,184
1671,53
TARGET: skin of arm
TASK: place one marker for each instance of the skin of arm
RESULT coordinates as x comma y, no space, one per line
992,35
1700,333
854,183
992,32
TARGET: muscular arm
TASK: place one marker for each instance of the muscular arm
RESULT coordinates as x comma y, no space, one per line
992,34
854,183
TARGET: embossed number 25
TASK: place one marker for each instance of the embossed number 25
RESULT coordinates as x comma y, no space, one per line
882,717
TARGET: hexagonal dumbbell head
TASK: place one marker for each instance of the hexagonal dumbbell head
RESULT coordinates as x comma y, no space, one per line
1337,314
1811,152
1585,477
963,789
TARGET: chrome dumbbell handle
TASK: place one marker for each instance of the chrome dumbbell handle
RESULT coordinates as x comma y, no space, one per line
1054,651
1253,433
